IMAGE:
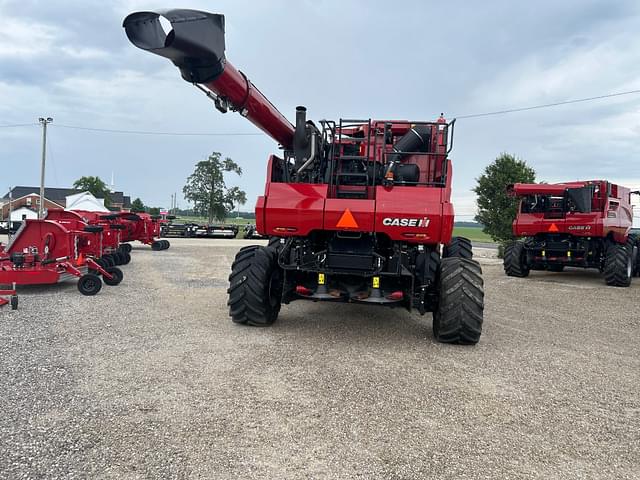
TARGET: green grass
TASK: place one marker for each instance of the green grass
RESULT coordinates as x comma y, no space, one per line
474,234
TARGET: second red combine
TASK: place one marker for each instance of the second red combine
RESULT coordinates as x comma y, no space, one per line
357,210
576,224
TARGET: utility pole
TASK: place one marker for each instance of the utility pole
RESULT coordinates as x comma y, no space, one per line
44,122
10,205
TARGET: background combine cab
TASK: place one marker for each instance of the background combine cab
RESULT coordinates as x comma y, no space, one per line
576,224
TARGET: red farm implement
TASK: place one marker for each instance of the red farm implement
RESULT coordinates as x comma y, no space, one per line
47,252
355,210
575,224
143,228
109,251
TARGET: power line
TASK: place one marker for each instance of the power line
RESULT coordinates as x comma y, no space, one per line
19,125
548,105
146,132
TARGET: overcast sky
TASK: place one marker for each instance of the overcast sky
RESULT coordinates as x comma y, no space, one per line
72,61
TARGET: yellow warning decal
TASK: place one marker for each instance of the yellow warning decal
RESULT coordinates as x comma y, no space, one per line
376,282
321,279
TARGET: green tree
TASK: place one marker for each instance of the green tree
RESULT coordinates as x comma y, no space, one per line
207,190
154,211
137,205
496,209
95,186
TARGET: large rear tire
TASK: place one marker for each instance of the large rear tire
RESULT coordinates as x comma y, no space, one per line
458,317
458,247
514,261
618,266
255,287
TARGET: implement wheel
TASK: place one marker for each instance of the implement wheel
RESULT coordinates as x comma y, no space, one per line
14,302
514,262
458,318
166,244
89,284
618,266
255,288
157,245
117,275
125,247
458,247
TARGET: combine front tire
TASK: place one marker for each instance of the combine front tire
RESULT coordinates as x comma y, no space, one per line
255,288
458,317
618,267
458,247
514,260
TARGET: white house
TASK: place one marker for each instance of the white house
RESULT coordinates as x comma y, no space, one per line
23,213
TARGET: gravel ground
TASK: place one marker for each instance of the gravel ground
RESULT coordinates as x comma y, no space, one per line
152,380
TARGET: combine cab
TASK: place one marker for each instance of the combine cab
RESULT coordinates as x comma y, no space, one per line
577,224
356,210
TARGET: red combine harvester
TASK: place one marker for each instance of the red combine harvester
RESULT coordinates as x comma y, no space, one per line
109,251
356,210
46,252
575,224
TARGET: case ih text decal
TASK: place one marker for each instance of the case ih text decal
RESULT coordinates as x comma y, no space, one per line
406,222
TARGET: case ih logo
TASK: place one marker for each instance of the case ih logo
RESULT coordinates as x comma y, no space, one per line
406,222
579,227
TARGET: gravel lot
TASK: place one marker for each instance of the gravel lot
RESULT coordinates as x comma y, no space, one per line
152,380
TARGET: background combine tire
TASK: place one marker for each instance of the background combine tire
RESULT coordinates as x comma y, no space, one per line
125,247
514,260
458,247
117,275
617,265
255,287
632,245
554,267
458,318
127,258
157,245
89,284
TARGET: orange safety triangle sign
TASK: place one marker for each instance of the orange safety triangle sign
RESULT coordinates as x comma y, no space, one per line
553,228
347,220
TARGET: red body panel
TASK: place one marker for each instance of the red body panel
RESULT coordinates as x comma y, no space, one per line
611,215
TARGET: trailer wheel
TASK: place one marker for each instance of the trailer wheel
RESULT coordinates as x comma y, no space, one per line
514,260
14,302
156,245
117,275
555,267
458,247
166,244
618,266
127,258
89,284
255,288
458,317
